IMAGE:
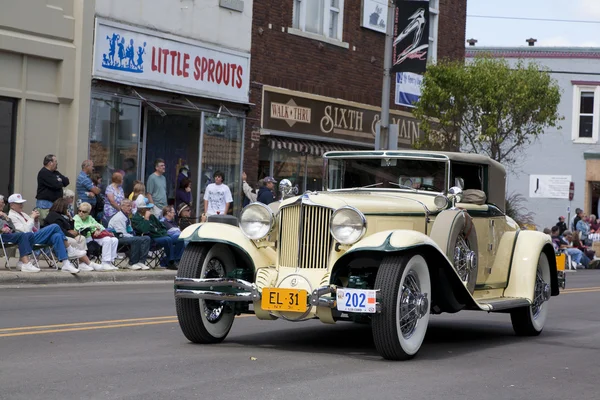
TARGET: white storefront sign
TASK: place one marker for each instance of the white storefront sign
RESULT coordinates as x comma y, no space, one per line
408,88
374,15
136,56
549,186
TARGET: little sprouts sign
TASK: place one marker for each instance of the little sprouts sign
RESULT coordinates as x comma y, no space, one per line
140,57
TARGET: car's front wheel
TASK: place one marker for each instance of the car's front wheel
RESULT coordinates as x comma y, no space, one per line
205,321
405,287
529,321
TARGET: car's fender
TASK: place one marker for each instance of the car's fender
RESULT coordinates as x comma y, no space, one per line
523,267
212,232
448,284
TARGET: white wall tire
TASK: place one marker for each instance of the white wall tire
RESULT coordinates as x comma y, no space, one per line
405,285
530,321
204,321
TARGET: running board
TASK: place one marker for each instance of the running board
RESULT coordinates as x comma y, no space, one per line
503,303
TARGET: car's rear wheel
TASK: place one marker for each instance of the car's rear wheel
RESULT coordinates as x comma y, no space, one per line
530,321
205,321
405,288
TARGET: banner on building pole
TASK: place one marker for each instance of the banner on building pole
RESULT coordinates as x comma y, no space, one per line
408,88
411,36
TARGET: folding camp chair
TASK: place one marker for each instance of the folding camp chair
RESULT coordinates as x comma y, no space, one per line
156,254
6,247
122,248
45,251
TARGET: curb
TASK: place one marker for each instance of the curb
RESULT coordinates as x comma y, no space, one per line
58,277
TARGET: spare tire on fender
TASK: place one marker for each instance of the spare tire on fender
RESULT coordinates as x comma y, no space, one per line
454,232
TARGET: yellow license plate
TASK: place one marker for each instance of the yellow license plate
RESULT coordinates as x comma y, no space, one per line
561,260
284,299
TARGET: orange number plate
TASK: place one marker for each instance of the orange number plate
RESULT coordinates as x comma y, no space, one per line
284,299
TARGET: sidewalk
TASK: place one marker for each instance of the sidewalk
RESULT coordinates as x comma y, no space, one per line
48,276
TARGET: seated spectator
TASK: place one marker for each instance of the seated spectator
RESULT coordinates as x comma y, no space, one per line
575,254
25,241
139,245
49,235
69,196
114,196
168,220
59,215
594,224
583,227
92,230
145,223
139,189
588,254
184,215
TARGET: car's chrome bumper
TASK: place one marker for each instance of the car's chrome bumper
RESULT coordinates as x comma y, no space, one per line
222,289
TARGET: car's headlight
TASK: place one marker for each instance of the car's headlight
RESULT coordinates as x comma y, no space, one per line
348,225
256,221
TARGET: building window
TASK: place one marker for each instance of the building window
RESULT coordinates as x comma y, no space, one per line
320,17
586,114
8,118
434,17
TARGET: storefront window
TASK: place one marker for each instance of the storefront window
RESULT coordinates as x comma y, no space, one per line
114,138
7,142
304,170
222,151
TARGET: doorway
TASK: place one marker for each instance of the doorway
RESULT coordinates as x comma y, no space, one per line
8,118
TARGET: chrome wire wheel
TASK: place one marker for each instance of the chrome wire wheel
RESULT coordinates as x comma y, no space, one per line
412,302
213,309
463,258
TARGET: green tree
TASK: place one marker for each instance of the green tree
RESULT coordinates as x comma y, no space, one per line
486,107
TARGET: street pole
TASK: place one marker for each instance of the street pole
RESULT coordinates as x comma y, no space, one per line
385,92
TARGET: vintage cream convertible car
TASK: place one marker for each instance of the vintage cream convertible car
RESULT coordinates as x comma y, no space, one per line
394,237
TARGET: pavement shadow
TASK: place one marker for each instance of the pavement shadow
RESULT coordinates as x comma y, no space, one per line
445,339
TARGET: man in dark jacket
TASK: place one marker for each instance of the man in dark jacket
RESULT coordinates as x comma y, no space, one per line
266,194
50,185
562,225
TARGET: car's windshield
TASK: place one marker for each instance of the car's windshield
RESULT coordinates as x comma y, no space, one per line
378,173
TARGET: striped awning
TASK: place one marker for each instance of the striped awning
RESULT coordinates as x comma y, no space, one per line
311,147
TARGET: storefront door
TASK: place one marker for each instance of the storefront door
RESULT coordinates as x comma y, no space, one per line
8,112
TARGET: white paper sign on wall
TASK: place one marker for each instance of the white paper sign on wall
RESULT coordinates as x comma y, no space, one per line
549,186
374,15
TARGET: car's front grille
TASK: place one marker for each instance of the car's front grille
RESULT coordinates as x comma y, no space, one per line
305,241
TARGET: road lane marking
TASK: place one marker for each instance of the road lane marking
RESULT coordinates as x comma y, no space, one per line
87,326
580,290
85,323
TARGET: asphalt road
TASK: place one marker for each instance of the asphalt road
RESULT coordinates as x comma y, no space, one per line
123,342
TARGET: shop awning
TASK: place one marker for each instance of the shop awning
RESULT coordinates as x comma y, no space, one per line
307,146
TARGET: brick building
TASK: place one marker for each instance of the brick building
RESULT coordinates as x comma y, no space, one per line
316,79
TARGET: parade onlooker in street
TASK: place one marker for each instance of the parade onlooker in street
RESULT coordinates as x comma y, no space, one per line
85,188
50,184
24,241
184,216
578,213
69,196
92,230
594,224
583,227
217,197
139,245
145,223
184,193
562,225
59,215
114,196
250,194
49,235
98,209
565,242
266,194
139,189
157,187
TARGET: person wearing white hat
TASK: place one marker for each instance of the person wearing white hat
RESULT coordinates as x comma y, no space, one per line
50,235
24,241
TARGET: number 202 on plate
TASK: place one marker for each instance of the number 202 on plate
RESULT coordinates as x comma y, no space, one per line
356,300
